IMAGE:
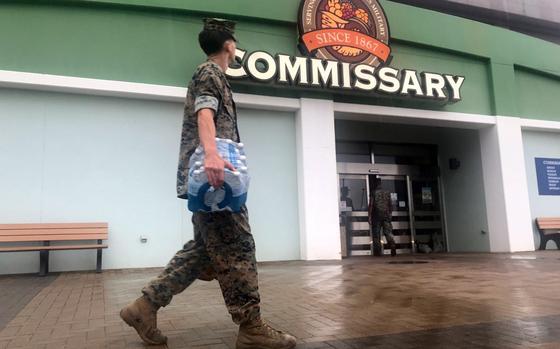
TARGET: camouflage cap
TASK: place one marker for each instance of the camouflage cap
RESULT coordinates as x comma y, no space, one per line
222,25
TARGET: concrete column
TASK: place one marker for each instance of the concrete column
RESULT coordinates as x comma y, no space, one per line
505,186
317,180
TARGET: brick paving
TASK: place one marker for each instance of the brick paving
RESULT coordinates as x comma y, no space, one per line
453,301
18,290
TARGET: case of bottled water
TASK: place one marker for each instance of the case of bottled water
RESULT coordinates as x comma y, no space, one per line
233,193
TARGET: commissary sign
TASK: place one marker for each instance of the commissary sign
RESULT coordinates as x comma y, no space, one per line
355,32
345,46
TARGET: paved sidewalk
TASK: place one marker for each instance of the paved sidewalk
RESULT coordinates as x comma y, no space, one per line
18,290
453,301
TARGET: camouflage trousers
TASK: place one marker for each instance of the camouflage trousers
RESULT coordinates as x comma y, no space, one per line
383,224
222,241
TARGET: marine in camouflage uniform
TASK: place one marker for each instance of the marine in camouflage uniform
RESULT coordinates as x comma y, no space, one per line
209,88
222,240
380,216
223,247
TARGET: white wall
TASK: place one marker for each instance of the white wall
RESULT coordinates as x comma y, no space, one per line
541,145
273,198
74,158
317,181
464,191
505,186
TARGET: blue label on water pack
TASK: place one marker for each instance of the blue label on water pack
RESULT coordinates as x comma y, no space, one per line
233,194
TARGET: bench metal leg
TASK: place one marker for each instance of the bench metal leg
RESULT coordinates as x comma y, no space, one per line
542,247
99,257
544,240
557,241
44,261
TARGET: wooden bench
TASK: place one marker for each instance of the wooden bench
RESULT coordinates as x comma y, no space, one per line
47,233
549,229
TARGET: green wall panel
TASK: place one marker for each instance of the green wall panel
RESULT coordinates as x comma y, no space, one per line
538,96
406,22
130,45
476,91
283,10
156,42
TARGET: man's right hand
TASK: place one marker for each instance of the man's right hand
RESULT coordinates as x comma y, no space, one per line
214,166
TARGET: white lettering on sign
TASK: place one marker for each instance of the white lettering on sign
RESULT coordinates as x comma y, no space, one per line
411,83
435,84
292,70
455,82
312,72
323,74
346,78
389,81
365,78
270,66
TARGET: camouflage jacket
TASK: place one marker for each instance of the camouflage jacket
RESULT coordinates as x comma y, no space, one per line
381,205
209,88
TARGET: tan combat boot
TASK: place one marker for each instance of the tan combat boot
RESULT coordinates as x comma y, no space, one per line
258,335
142,315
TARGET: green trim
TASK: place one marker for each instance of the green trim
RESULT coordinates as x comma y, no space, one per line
503,88
536,94
280,11
408,23
137,41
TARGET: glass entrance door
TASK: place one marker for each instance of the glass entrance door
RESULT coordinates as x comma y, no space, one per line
416,202
353,208
397,186
427,220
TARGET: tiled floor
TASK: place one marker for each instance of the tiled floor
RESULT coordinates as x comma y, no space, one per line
16,291
454,301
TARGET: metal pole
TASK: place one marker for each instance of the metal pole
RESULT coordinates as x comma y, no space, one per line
411,214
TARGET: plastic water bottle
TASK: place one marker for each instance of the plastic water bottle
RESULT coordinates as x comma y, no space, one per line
233,193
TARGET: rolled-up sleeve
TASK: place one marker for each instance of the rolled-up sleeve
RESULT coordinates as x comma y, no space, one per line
206,102
207,92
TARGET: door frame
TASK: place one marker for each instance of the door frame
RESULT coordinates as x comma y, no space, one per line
409,172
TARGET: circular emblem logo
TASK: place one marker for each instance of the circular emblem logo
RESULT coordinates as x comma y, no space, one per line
351,31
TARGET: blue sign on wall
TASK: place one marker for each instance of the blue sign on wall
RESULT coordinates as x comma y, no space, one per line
548,176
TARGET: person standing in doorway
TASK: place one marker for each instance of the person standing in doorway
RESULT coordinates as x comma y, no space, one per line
345,197
379,216
223,247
